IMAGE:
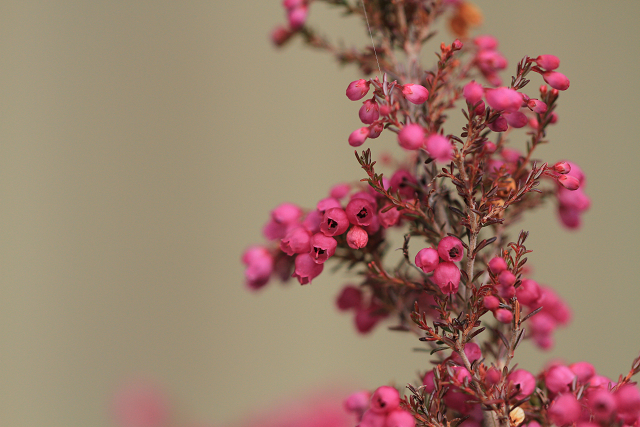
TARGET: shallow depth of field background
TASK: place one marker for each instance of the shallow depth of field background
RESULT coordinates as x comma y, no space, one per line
142,145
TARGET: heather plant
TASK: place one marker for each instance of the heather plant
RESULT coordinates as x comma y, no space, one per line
456,195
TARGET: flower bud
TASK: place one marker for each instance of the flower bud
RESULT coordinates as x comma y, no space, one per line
447,277
357,238
357,89
369,111
427,259
416,94
297,17
556,80
350,297
400,418
384,400
390,217
280,35
523,379
503,315
375,130
548,62
497,265
411,137
358,136
562,167
569,182
439,148
473,92
499,124
504,98
537,106
564,410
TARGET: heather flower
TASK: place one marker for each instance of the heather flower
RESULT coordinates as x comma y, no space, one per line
322,247
427,259
506,278
439,148
499,124
569,182
472,351
280,35
259,264
504,98
357,402
556,80
400,418
497,265
306,268
559,378
486,42
528,293
447,277
296,241
369,112
628,402
357,89
583,370
367,317
334,222
524,380
491,302
339,191
537,106
141,404
516,119
602,404
473,92
358,136
503,315
403,182
548,62
388,217
357,237
564,410
297,16
411,137
416,94
375,130
360,212
450,249
384,400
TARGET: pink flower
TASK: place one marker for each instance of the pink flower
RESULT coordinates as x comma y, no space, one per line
280,35
528,293
628,402
384,400
558,378
369,111
473,92
506,278
503,315
447,277
564,410
491,302
471,350
296,241
439,148
537,106
334,222
141,404
259,264
322,248
388,217
360,212
416,94
306,268
357,89
403,182
450,249
339,191
504,98
297,17
358,136
601,403
357,237
516,119
497,265
525,380
357,402
400,418
411,137
569,182
486,42
583,370
427,259
350,297
499,124
548,62
556,80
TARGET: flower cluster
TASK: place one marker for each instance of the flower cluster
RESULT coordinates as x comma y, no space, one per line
462,285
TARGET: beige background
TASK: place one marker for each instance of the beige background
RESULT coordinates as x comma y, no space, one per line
143,144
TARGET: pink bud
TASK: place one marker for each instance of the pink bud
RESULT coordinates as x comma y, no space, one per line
403,182
385,110
322,247
583,370
497,265
556,80
297,241
447,277
439,148
400,418
286,213
562,167
569,182
450,249
564,410
350,297
427,259
357,402
528,293
525,380
628,402
367,318
334,222
548,62
472,351
554,118
357,238
411,137
306,268
490,147
602,404
493,375
259,264
506,278
491,302
537,106
456,45
503,315
390,217
499,124
357,89
416,94
375,130
372,419
358,136
486,42
504,98
516,119
473,92
327,203
427,381
339,191
297,17
369,111
360,212
280,35
558,378
384,400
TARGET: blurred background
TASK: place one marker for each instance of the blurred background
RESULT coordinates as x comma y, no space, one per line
142,146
